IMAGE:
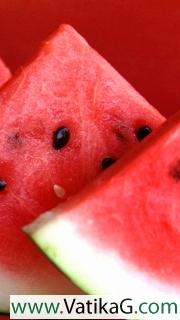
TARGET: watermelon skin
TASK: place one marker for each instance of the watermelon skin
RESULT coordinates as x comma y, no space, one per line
5,73
67,84
140,38
126,221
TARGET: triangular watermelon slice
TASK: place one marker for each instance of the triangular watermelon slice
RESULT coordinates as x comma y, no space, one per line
140,38
65,117
5,73
122,234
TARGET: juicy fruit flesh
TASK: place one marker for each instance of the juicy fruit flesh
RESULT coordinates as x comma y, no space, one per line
140,38
4,73
67,85
127,220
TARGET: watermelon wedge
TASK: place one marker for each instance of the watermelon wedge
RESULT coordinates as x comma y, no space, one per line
65,117
139,38
123,231
5,73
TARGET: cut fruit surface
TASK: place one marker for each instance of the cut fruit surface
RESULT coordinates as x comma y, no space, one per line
5,73
122,234
139,38
61,116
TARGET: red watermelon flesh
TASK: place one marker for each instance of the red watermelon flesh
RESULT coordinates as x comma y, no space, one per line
4,73
140,38
67,85
122,234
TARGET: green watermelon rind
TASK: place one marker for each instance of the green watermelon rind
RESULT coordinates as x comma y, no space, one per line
50,232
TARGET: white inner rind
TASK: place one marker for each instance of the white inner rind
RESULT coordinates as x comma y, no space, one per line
94,270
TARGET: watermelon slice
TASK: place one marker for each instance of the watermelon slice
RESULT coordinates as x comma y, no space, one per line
123,231
64,118
140,38
4,73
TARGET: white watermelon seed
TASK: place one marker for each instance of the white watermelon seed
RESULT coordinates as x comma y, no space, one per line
59,191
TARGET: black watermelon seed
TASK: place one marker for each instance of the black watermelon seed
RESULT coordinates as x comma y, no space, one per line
2,185
60,137
143,132
107,162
